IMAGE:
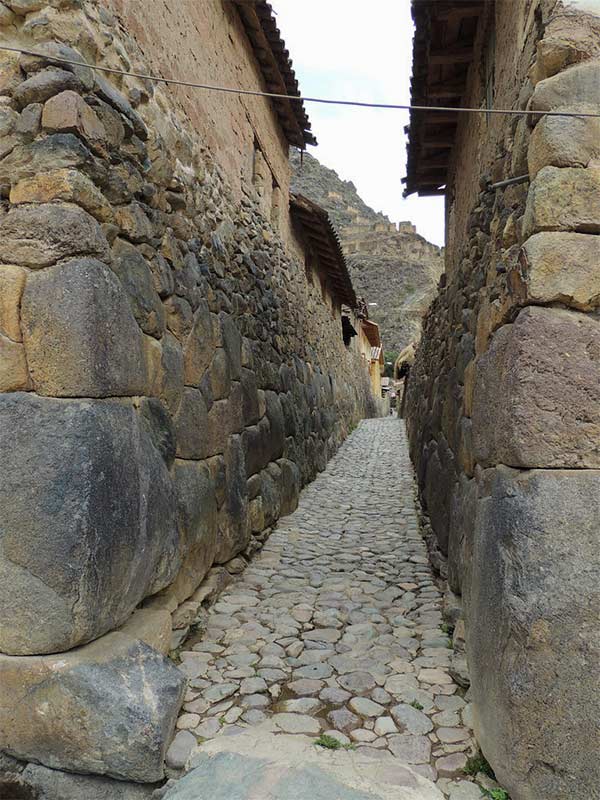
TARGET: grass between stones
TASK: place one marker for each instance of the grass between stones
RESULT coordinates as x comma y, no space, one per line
331,743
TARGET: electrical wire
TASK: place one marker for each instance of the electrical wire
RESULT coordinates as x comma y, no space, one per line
299,99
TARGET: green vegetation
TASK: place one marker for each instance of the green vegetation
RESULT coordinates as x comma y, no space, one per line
495,794
477,764
389,355
417,705
447,629
331,743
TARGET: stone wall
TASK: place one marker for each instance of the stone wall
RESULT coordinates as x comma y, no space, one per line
170,378
503,404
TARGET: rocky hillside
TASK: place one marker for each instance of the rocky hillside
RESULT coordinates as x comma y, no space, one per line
390,264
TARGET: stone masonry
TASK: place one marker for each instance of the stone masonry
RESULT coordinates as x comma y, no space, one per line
169,381
503,412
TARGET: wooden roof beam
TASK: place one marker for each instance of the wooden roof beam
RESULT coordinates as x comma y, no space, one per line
450,55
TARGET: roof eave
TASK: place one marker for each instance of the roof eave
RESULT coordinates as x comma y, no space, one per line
276,67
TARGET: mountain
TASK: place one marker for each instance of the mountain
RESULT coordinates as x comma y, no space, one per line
391,265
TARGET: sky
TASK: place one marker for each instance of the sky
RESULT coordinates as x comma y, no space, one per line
352,50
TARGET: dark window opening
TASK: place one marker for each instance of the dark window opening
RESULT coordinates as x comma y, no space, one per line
347,330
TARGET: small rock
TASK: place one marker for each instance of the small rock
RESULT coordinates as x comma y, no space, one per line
296,723
385,725
208,729
180,749
365,707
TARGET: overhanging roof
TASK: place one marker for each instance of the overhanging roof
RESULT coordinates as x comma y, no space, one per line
324,241
442,52
274,60
371,330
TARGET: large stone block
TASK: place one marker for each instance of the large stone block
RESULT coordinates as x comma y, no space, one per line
440,477
53,784
169,380
563,200
533,636
107,708
263,763
80,336
557,267
136,276
58,151
12,283
578,85
234,532
197,524
39,235
537,392
87,521
191,424
13,366
564,141
68,112
203,338
44,85
69,185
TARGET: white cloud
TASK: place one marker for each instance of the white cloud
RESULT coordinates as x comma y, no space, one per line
351,50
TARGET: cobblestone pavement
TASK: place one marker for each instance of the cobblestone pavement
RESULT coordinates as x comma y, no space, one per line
334,628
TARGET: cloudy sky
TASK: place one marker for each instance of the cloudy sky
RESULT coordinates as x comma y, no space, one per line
349,50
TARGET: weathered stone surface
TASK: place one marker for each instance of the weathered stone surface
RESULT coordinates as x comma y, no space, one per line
261,764
569,38
44,85
75,319
234,531
558,268
70,550
136,277
151,626
110,708
197,525
535,589
201,342
69,185
180,749
134,223
565,199
58,151
12,283
216,383
577,85
39,235
169,379
564,141
54,784
13,366
160,427
48,51
537,395
116,99
191,424
68,112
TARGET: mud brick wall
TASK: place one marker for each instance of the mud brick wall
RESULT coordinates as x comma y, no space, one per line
169,377
503,402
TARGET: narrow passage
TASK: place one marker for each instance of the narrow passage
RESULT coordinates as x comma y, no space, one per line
334,628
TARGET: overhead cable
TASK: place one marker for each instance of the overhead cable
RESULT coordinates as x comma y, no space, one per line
299,99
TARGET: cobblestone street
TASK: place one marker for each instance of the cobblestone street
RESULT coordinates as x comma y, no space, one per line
334,628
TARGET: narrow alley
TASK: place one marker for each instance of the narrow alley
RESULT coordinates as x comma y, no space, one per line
334,630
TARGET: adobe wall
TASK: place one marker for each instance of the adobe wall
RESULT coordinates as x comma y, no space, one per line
503,406
169,378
